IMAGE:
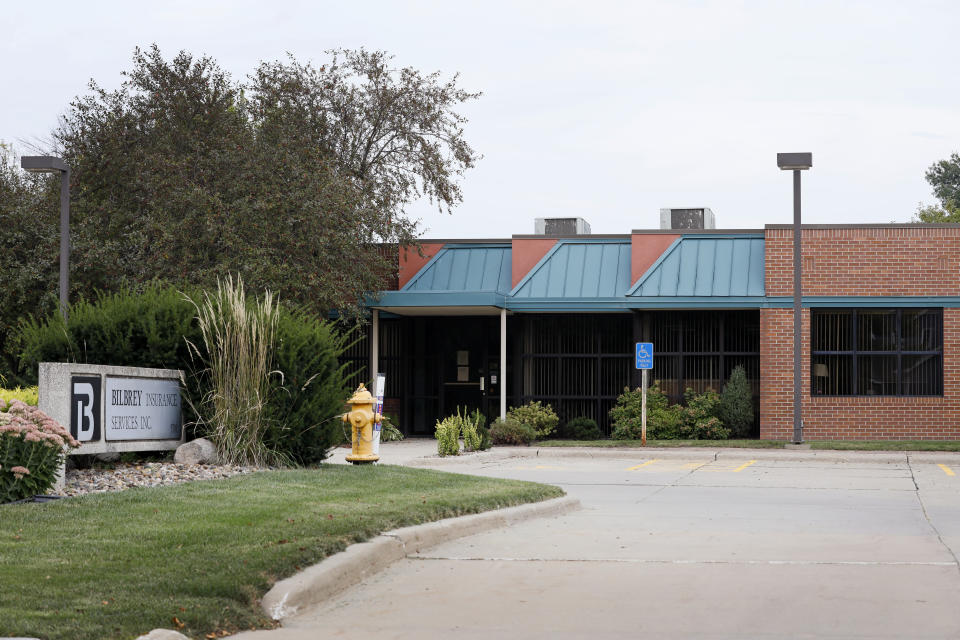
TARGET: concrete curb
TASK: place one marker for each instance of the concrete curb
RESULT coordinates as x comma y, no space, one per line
721,453
347,568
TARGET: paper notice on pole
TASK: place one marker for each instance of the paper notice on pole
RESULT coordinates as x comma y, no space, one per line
379,387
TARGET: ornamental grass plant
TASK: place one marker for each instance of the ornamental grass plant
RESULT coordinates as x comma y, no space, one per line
32,448
238,339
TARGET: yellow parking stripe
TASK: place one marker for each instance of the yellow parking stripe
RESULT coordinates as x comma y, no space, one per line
947,470
642,465
744,466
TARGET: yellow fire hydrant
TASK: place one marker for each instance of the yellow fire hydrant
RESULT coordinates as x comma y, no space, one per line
361,419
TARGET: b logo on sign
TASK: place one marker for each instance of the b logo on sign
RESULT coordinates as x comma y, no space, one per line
85,408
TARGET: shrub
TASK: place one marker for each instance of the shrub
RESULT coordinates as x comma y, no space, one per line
486,441
736,404
134,329
700,421
309,388
32,448
149,328
541,418
663,419
580,429
510,431
27,395
389,432
448,436
471,425
237,350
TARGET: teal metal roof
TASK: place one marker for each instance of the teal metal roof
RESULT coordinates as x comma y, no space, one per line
464,268
706,266
595,268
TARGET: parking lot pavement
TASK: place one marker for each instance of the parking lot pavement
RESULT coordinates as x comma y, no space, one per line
751,545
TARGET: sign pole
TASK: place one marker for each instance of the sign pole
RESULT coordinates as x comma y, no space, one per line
381,385
645,363
643,419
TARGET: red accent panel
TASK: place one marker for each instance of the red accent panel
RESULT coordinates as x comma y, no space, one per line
411,262
526,254
645,249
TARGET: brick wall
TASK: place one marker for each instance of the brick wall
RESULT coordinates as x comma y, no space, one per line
899,261
866,261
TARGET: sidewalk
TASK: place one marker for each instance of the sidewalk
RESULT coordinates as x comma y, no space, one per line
422,452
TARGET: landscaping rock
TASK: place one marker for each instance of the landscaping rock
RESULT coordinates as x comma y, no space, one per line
199,451
163,634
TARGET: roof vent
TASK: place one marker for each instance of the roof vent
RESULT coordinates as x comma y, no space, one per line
561,227
687,219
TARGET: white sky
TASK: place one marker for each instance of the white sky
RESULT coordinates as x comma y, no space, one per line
603,110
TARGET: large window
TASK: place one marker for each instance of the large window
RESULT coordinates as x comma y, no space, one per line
877,352
579,364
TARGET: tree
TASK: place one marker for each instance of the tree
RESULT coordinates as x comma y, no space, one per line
297,179
944,177
937,214
394,132
29,248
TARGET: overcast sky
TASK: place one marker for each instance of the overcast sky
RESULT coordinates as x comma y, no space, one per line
607,111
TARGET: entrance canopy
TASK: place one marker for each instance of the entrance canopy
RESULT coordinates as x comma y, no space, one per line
462,279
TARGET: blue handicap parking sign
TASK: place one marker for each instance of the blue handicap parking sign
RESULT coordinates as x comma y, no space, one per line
644,355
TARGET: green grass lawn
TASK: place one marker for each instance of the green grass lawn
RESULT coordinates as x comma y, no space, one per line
754,444
202,554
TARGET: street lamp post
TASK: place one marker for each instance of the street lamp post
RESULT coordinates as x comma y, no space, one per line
52,164
796,162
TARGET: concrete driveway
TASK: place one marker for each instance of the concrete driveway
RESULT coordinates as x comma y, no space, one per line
685,544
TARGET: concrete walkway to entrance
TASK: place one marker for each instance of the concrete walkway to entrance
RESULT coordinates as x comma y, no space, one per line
681,543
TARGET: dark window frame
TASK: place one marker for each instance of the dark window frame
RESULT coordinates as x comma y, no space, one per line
854,353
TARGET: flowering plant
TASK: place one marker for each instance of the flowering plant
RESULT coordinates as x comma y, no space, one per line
32,448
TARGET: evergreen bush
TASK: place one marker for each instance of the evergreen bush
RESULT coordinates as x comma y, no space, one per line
736,404
511,431
540,417
308,388
580,429
149,328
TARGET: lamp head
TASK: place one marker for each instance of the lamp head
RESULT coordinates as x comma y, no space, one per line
43,164
794,161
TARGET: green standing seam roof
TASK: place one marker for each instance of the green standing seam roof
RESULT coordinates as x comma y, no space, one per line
595,268
706,266
465,268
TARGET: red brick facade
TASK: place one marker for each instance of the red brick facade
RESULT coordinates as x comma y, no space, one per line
861,261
